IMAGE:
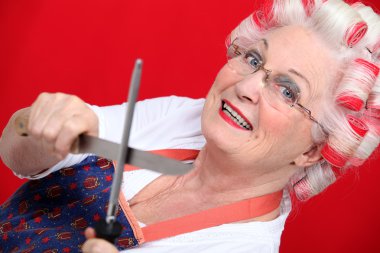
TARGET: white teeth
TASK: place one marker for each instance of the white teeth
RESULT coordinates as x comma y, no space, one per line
235,116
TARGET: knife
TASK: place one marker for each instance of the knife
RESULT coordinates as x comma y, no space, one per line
86,144
109,228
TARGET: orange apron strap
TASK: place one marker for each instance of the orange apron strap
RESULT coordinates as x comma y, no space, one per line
243,210
177,154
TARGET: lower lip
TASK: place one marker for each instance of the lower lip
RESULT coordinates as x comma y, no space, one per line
230,121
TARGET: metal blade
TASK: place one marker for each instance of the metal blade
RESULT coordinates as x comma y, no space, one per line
138,158
123,153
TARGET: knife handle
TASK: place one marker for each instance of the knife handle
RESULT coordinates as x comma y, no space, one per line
108,230
21,128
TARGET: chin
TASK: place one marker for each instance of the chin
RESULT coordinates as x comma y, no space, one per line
219,137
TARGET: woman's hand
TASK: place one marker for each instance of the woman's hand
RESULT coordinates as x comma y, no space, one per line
93,245
58,119
55,121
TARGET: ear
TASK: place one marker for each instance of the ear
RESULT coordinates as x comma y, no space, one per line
310,157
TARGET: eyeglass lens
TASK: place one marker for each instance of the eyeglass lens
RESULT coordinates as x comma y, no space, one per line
277,90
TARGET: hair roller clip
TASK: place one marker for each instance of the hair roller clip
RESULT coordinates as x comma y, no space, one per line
333,156
368,65
351,102
355,33
308,5
357,125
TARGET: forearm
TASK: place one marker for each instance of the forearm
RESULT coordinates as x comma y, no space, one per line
24,155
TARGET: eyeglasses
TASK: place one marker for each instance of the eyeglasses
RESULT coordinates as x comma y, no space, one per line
280,90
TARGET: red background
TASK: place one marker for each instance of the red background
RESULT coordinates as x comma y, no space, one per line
88,48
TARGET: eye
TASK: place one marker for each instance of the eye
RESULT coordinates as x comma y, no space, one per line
287,93
286,90
254,60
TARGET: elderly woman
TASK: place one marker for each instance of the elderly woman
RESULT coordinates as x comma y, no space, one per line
295,104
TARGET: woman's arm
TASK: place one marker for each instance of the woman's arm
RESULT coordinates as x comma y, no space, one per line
55,121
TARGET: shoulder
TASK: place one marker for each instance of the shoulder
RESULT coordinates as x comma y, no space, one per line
174,100
170,103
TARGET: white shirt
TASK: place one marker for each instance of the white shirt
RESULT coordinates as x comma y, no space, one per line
263,237
160,123
174,122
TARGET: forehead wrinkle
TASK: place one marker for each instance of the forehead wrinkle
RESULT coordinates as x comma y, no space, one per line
316,75
315,71
315,59
291,70
295,72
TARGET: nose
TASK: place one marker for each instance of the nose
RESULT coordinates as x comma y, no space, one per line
249,88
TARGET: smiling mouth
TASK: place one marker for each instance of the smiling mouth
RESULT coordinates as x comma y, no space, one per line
237,118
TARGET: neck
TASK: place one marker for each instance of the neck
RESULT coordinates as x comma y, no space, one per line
219,179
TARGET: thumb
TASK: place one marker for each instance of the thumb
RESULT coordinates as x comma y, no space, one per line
98,246
89,233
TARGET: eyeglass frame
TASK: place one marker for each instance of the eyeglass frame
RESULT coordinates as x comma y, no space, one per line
238,51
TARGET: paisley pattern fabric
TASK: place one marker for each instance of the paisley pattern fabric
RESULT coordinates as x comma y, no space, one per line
51,214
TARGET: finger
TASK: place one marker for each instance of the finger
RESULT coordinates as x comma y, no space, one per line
52,125
35,107
50,134
89,233
98,246
71,129
83,120
38,114
50,106
63,109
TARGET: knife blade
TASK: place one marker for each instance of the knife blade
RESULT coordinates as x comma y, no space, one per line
138,158
107,149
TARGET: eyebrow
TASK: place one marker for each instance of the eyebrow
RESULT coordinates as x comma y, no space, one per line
293,71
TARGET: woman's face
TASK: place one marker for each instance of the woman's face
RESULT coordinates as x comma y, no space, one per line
273,135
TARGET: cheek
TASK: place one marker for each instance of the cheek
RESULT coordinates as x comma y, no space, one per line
278,131
272,121
225,79
288,136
